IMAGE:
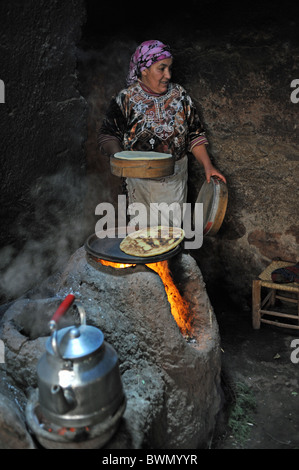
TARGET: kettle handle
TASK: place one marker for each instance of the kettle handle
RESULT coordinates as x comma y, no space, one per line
62,309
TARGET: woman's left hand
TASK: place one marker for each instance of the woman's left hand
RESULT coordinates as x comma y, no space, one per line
212,171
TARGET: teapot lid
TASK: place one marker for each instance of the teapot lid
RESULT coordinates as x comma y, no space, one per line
75,342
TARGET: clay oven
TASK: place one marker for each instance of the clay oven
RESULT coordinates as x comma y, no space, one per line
170,374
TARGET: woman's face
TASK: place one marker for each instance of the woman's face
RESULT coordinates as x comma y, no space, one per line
158,75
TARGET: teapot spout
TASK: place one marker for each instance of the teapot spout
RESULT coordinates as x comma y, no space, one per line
63,399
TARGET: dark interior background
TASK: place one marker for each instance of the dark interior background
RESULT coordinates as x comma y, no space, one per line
62,61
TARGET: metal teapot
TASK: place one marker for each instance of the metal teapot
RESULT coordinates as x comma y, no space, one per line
79,382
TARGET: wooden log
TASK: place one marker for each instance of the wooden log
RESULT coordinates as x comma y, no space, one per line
278,314
276,323
267,300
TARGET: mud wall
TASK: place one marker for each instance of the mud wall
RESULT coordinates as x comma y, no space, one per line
243,87
237,63
43,134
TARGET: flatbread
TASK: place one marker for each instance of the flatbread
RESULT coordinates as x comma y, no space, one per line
139,155
152,241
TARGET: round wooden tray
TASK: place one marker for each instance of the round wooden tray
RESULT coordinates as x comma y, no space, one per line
133,164
214,197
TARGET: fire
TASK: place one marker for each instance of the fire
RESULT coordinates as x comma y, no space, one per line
64,430
116,265
179,306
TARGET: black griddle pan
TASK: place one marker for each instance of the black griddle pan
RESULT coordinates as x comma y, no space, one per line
108,249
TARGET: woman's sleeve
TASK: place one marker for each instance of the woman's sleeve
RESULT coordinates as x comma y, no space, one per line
112,128
196,130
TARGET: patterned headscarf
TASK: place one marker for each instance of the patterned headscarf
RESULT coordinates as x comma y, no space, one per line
146,55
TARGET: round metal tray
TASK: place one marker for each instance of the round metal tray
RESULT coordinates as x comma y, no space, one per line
214,197
108,249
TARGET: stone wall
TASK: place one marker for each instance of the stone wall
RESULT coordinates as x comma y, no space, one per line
43,132
243,87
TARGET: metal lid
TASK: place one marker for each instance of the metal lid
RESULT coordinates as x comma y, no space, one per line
76,342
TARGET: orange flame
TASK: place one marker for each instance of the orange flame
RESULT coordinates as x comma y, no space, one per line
179,306
116,265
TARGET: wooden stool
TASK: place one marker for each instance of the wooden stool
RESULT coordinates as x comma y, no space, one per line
259,306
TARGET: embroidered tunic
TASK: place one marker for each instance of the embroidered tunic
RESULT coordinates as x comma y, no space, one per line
145,121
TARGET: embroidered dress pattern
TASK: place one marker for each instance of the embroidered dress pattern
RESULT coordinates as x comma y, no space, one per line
165,123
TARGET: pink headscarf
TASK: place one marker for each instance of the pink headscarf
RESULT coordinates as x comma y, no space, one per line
145,55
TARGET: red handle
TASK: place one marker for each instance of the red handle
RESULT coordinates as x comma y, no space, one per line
63,307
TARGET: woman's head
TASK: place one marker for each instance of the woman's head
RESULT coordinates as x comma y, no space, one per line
158,75
149,54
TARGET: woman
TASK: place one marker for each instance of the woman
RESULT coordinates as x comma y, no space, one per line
153,114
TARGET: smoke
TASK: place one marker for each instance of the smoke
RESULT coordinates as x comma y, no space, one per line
62,205
60,219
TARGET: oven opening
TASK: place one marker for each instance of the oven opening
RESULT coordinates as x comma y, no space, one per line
179,306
